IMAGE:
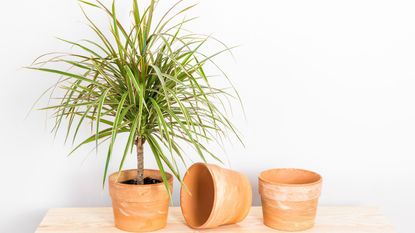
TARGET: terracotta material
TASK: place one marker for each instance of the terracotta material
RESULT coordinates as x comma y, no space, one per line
139,208
289,198
212,196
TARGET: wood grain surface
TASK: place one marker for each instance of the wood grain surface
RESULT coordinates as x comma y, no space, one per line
330,219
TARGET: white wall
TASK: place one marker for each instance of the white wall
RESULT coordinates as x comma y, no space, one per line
327,85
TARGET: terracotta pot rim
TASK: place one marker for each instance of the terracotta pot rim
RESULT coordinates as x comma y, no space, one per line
206,165
115,181
260,177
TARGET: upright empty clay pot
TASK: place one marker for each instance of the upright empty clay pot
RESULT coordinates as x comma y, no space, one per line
289,198
212,196
139,208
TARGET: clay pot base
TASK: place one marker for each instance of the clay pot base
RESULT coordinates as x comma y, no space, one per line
296,216
289,198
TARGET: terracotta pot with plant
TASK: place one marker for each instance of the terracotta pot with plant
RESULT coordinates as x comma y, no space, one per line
147,80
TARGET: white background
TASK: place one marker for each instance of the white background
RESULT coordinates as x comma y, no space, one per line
327,86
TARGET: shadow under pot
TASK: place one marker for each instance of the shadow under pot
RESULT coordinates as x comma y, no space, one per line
289,198
212,196
139,208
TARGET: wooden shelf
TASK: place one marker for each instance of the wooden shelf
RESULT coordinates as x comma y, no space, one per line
330,219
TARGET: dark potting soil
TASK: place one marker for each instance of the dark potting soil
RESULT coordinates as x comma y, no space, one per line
147,180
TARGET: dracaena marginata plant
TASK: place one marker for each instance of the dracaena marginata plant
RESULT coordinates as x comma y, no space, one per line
145,79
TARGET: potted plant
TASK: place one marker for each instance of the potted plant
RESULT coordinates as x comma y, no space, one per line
146,80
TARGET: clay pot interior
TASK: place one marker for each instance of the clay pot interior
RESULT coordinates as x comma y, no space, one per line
200,195
290,176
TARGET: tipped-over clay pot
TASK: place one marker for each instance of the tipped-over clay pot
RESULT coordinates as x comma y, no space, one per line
212,196
289,198
139,208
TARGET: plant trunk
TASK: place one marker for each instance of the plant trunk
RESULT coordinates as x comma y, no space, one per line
140,161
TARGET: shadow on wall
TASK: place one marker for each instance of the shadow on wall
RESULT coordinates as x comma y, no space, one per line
84,189
253,179
26,220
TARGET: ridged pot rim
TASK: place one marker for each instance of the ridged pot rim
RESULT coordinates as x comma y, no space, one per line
262,179
207,166
114,181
